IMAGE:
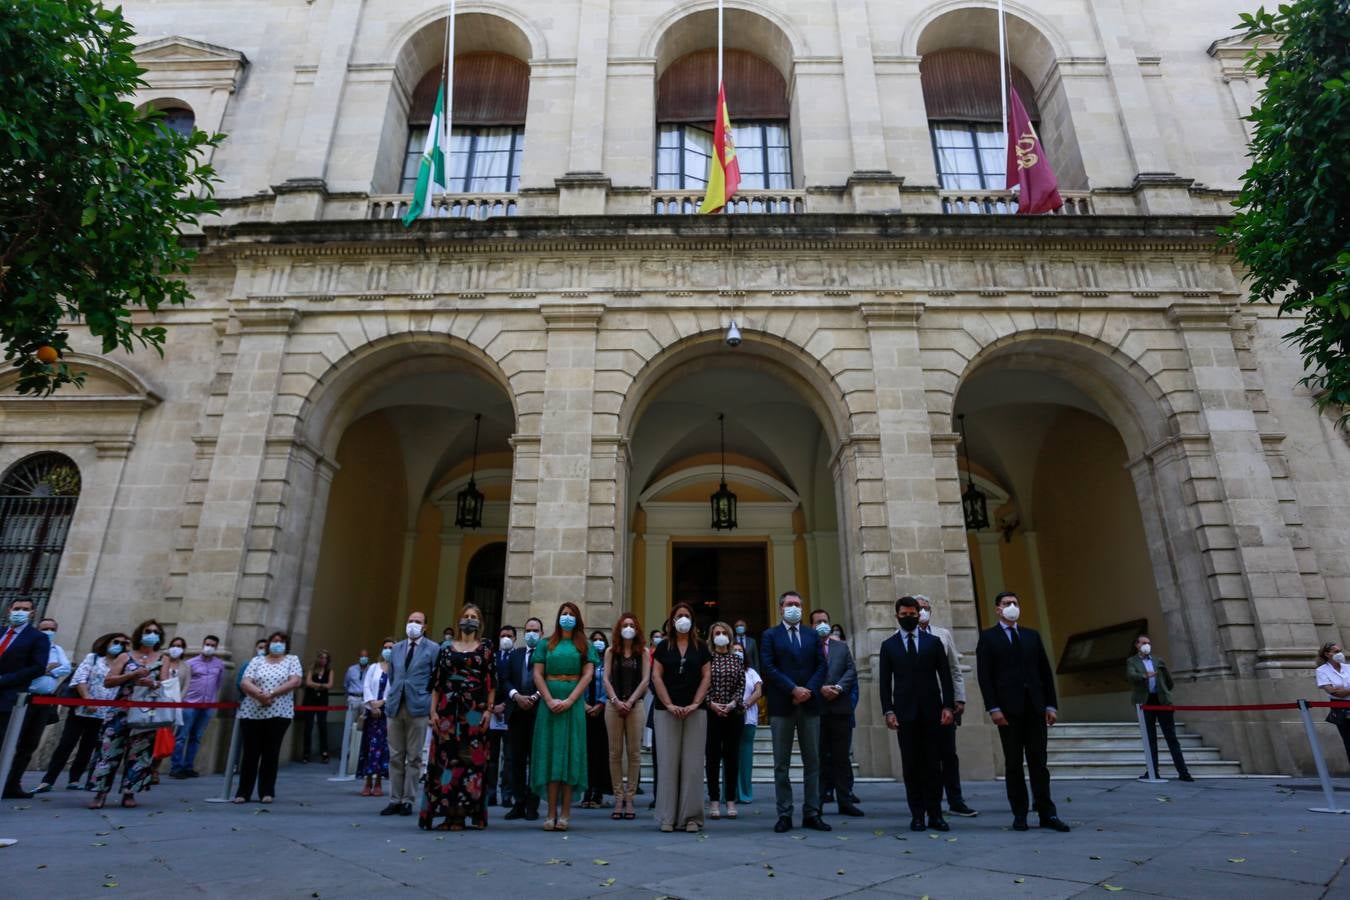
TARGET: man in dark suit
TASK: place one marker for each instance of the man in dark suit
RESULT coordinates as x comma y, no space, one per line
499,762
748,644
23,658
406,707
836,713
794,671
918,702
1019,693
522,702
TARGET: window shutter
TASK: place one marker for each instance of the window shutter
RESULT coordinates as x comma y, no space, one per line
962,84
687,90
490,89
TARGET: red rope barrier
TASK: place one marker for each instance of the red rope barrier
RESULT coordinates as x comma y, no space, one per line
44,700
321,709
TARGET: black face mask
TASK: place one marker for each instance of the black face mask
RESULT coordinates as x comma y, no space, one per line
468,626
909,623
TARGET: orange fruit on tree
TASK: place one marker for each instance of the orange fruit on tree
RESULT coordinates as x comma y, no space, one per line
47,355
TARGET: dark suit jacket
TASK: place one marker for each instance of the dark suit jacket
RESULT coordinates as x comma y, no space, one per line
516,676
786,667
25,659
841,670
1011,685
1137,675
916,687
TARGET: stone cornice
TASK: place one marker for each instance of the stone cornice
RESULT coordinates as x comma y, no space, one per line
1203,316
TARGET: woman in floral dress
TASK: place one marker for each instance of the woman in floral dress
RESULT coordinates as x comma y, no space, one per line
122,748
462,691
373,761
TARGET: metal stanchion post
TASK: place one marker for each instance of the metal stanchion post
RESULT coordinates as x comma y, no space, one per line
231,760
348,724
11,736
1320,762
1148,754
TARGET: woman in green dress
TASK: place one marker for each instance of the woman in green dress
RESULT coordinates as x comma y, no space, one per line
563,667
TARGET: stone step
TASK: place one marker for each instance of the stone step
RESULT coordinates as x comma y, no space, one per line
1186,740
1055,756
1124,771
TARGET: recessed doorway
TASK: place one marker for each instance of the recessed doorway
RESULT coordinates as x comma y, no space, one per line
722,582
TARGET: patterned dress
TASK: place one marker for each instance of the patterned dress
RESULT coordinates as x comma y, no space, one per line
374,759
120,745
559,752
456,786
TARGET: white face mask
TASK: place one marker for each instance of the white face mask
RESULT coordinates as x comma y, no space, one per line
1012,612
924,616
628,632
721,640
1145,649
683,624
175,652
823,629
792,614
1338,657
208,651
414,630
506,643
599,646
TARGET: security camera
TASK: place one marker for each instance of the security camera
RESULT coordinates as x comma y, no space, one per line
733,335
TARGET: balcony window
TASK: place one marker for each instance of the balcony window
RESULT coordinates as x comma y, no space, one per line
970,156
763,150
482,160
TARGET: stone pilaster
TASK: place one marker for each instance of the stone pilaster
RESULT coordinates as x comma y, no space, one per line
871,187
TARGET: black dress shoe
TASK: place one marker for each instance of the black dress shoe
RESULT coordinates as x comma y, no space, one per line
1186,776
405,810
492,800
917,825
531,815
1055,823
853,798
960,809
938,824
848,809
827,797
816,823
515,813
1020,823
20,794
392,809
783,825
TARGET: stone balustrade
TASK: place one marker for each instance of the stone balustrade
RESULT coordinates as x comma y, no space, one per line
446,206
1076,203
683,203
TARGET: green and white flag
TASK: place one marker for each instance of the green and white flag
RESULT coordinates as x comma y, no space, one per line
431,174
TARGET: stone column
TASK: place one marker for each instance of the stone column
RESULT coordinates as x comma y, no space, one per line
584,189
657,576
1242,525
991,567
447,572
785,566
221,551
872,186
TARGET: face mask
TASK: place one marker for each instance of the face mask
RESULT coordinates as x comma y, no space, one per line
1338,657
721,640
823,629
1012,612
175,652
50,633
567,621
658,639
836,633
924,616
909,623
468,626
1145,649
506,643
531,639
150,639
792,614
683,624
739,654
261,651
414,630
387,653
740,629
276,648
364,661
628,633
115,649
208,651
599,646
18,617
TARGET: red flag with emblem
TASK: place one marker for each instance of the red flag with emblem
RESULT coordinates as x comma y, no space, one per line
1029,171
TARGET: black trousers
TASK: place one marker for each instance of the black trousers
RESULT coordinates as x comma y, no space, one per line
307,722
520,735
494,763
1024,738
951,765
836,758
1165,719
597,758
35,721
80,735
261,754
920,752
722,752
1343,726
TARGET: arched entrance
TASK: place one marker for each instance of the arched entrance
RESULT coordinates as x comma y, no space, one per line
485,584
1051,444
401,434
37,503
779,445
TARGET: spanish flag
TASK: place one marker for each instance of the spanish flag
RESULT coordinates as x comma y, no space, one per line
724,179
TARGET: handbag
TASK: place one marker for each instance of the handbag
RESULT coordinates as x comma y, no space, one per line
1336,716
149,718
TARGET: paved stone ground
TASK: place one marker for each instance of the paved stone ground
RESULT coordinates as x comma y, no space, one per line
1222,838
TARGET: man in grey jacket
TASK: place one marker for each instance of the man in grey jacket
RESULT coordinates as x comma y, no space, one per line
406,706
950,762
836,712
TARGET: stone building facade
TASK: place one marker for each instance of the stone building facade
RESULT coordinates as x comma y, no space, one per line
294,459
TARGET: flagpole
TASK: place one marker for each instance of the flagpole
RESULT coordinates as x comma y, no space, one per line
719,47
1002,69
448,76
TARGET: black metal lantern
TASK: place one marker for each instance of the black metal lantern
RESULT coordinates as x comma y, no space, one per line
974,504
469,505
723,501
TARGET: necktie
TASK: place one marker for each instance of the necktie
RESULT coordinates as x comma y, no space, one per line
9,639
827,649
1016,640
909,643
407,660
795,642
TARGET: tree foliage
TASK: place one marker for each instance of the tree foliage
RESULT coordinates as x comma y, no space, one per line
1292,231
94,194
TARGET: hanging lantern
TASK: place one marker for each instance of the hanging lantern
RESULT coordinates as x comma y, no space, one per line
723,501
469,505
974,504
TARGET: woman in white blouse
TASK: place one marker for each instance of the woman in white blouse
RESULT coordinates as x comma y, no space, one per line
1333,676
373,761
265,712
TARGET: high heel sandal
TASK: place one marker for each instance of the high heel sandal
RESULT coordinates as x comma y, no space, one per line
129,801
97,802
560,825
629,814
549,825
618,809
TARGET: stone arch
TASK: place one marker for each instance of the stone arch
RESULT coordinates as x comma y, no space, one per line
1034,43
683,28
480,26
106,377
